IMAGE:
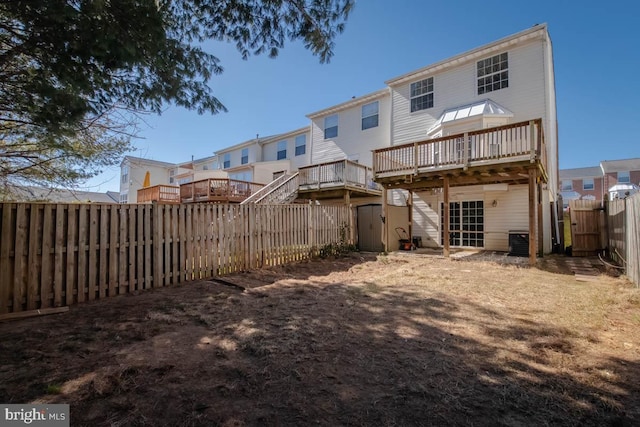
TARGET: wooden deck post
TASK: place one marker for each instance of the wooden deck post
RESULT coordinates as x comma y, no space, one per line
410,214
540,223
532,216
347,197
532,138
445,208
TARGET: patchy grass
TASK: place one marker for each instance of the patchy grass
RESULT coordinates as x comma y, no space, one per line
358,340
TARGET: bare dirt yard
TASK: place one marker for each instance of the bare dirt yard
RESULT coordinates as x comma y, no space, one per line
397,340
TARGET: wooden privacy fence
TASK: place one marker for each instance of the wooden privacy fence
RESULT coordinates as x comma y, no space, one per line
623,220
53,255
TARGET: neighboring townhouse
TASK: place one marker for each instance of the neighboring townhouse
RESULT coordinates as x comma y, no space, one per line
581,183
144,180
352,129
611,180
134,171
474,147
621,177
195,170
342,137
263,159
292,146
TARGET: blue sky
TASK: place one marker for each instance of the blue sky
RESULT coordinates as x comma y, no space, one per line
597,62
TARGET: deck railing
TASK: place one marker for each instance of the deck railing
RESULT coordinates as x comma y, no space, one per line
159,193
217,189
493,145
336,174
283,189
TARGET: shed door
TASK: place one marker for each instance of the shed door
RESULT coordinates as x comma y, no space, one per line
370,228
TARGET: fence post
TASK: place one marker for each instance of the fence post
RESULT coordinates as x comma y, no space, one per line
157,245
311,235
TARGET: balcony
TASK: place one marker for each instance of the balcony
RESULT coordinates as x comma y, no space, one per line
219,190
159,193
503,154
335,179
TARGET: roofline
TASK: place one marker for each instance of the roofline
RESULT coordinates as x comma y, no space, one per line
264,140
244,144
484,50
202,159
351,103
584,172
288,134
148,161
608,165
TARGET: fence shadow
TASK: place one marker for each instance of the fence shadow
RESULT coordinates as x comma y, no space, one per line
328,354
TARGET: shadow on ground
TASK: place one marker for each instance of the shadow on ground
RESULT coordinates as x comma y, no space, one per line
309,350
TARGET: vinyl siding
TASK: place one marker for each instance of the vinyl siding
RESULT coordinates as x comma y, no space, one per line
352,142
263,171
270,151
158,175
511,213
525,96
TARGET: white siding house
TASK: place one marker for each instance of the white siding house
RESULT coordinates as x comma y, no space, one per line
132,174
505,82
352,129
292,146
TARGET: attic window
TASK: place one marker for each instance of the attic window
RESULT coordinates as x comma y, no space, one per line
493,73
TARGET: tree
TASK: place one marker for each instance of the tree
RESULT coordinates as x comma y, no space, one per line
74,74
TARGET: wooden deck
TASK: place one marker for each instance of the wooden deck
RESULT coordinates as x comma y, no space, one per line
511,154
343,178
160,194
219,190
502,154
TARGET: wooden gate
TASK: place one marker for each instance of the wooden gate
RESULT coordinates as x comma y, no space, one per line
587,227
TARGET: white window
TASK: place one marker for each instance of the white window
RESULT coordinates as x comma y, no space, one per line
370,115
587,184
624,177
567,185
493,73
172,174
226,160
245,156
301,145
331,126
282,150
124,198
422,95
125,174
